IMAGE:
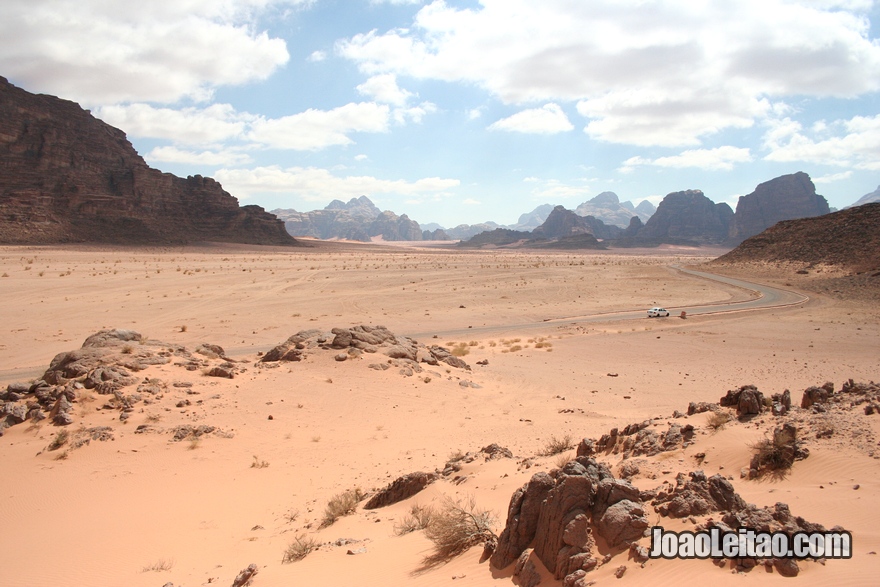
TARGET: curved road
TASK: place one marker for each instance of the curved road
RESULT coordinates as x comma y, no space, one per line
764,297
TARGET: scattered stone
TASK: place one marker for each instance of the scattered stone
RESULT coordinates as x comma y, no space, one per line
341,357
244,578
620,571
220,372
787,567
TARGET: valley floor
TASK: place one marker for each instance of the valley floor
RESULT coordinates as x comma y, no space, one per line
144,510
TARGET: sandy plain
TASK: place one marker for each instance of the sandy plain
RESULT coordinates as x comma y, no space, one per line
143,510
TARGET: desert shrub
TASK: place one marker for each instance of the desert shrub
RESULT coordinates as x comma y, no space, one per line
515,348
299,549
718,419
556,446
777,453
158,566
259,464
457,526
418,518
60,439
460,350
561,460
341,504
127,349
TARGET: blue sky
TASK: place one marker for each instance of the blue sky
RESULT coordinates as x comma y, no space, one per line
465,111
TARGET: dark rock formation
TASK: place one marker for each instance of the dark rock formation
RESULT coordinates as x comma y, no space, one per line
687,217
635,225
783,198
69,177
561,514
561,223
747,400
496,238
849,239
695,495
401,488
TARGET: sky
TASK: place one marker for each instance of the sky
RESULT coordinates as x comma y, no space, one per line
463,111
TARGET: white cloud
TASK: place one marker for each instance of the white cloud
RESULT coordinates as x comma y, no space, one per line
320,185
549,119
646,73
383,88
853,143
832,177
209,158
317,56
306,131
317,129
471,202
215,123
414,113
720,158
553,190
98,52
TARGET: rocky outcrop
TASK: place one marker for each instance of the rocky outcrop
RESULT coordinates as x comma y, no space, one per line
695,495
401,488
849,239
784,198
687,217
107,363
69,177
747,400
404,352
560,514
533,219
560,223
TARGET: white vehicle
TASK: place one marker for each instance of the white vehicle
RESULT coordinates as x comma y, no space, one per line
658,313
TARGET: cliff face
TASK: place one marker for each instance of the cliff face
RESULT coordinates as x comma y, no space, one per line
687,216
65,176
783,198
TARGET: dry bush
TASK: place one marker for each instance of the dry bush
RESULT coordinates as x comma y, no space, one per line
60,439
341,504
515,348
457,526
418,518
127,349
556,446
259,464
718,419
299,549
460,350
561,460
775,455
158,566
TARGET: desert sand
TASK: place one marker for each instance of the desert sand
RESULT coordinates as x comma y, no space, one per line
145,510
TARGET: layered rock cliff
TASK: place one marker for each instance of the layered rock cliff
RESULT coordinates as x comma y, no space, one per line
66,176
784,198
687,217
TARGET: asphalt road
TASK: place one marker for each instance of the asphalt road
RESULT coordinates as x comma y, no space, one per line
763,297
